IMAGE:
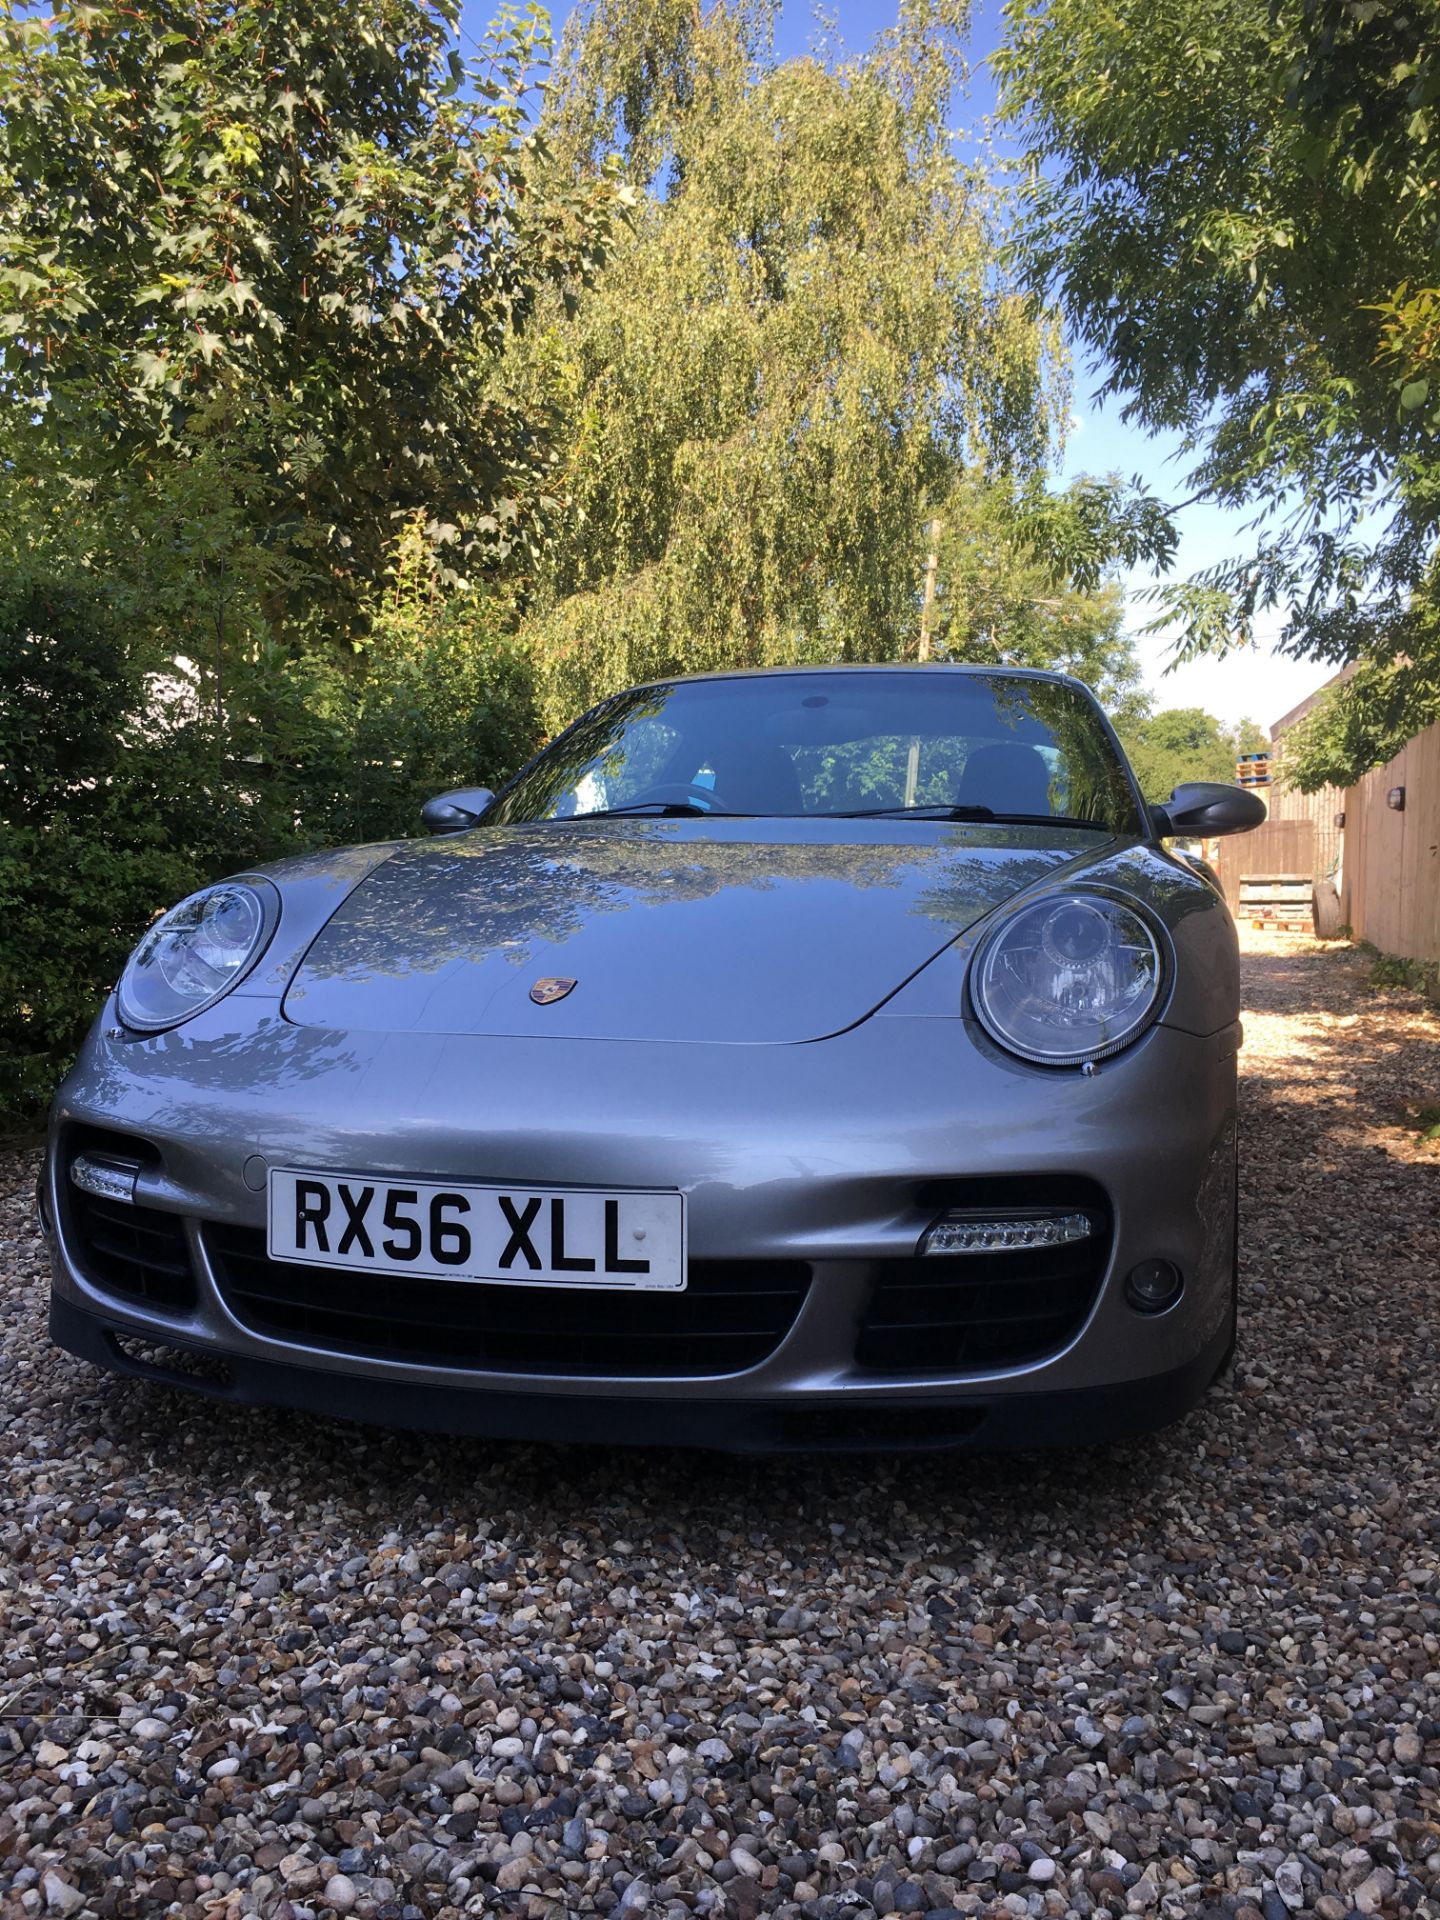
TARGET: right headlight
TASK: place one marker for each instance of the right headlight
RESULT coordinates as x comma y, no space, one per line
195,953
1071,977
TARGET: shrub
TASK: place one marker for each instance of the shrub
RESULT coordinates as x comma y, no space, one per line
444,696
92,845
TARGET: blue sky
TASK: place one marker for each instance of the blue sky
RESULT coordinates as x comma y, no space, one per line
1258,683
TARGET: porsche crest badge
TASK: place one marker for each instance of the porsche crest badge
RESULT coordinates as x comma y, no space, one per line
545,992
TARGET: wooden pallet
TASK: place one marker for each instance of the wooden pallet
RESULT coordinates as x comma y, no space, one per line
1285,901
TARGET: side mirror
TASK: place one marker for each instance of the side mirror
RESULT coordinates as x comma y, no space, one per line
1205,808
454,811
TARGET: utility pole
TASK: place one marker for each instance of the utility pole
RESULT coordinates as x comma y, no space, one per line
927,607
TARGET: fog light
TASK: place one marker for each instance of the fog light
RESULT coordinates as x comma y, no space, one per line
1004,1232
106,1179
1153,1286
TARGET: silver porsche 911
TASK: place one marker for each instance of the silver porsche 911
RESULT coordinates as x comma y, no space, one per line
824,1057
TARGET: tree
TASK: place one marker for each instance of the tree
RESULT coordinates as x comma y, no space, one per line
807,348
1186,743
261,499
261,258
1022,581
1235,202
1362,723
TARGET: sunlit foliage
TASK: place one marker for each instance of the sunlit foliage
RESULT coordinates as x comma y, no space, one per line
807,348
1237,204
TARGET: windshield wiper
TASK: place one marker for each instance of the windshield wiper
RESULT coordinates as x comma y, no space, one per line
924,812
987,815
660,809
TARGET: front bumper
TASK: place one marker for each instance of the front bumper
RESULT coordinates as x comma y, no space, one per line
999,1420
815,1152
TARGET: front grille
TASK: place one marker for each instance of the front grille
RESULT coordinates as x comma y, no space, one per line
976,1312
731,1316
136,1252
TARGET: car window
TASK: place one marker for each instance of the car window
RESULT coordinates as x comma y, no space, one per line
816,743
639,756
875,773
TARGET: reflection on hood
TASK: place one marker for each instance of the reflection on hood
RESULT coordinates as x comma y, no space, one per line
718,930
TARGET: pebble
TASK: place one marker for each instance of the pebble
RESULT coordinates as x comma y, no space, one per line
1409,1748
60,1896
1290,1885
259,1664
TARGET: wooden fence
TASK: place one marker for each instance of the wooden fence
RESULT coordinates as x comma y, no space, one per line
1387,858
1390,894
1322,810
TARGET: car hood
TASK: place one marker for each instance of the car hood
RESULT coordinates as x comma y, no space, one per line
744,931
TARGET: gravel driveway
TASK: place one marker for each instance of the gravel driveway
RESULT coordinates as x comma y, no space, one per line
252,1663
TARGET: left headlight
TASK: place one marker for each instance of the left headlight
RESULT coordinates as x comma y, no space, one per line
1069,978
196,952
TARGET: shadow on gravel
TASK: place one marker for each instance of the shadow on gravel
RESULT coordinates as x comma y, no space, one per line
1347,1074
1312,981
367,1479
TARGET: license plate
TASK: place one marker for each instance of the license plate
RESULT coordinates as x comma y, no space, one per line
501,1236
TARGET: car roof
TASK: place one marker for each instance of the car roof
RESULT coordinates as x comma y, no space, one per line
1000,669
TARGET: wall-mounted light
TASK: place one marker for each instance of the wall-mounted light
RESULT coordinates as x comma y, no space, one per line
1339,819
1395,799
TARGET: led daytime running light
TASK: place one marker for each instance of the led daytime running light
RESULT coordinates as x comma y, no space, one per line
1004,1233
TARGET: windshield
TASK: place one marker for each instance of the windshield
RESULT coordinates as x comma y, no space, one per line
978,746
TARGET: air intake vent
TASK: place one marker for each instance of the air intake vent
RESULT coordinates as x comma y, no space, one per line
731,1316
138,1253
980,1311
134,1252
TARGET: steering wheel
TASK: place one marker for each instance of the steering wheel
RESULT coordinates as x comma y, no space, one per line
684,790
